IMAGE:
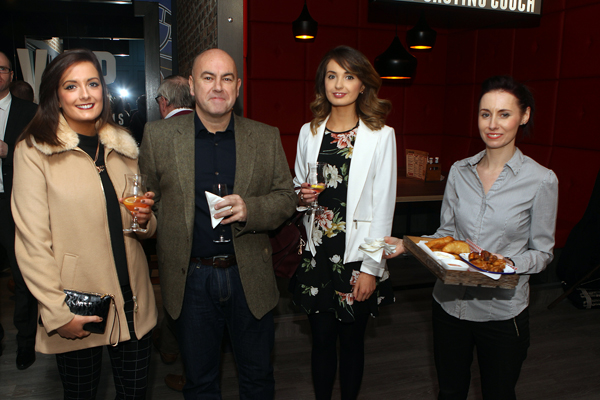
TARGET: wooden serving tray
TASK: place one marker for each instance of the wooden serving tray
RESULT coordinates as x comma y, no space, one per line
451,277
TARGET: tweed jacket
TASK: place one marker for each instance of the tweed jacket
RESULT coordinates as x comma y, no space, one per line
63,240
262,180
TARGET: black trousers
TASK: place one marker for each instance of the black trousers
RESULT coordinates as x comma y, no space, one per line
326,330
26,307
80,370
501,349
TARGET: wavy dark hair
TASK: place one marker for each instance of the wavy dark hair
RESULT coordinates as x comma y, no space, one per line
370,109
524,97
44,124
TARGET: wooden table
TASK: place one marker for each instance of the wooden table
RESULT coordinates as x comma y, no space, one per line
411,190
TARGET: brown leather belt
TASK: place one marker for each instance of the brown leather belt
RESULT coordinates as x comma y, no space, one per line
224,261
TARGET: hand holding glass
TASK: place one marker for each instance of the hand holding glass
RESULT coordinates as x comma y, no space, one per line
135,188
220,189
316,180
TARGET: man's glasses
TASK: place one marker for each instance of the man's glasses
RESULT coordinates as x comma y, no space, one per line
158,97
4,70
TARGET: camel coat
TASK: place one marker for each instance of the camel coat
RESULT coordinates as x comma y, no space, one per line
62,236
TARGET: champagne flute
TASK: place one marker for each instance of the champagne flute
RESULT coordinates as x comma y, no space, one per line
220,189
135,188
316,180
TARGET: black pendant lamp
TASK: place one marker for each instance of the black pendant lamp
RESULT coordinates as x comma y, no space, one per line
305,27
421,36
396,62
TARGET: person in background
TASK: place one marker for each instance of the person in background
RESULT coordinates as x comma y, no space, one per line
70,165
174,99
138,119
506,203
337,285
120,115
15,114
22,90
209,285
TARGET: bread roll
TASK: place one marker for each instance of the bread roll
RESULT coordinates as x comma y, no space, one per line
457,247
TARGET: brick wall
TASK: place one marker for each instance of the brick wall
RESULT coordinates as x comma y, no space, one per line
196,30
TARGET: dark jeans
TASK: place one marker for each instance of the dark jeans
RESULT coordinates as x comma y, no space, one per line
501,349
26,307
214,299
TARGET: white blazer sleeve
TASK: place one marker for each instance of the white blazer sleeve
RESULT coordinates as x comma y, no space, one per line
384,196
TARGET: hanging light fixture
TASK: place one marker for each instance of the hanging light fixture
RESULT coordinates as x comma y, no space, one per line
396,62
305,27
421,36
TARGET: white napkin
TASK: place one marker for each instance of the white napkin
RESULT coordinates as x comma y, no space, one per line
374,248
212,200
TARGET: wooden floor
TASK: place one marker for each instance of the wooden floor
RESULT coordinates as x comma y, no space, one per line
563,361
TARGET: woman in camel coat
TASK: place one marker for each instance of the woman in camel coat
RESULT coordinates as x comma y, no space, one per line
69,174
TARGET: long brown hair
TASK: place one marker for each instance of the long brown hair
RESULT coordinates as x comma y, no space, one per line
44,124
370,109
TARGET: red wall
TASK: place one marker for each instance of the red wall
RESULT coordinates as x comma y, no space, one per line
436,112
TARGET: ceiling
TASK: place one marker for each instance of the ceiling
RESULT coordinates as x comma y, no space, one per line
43,19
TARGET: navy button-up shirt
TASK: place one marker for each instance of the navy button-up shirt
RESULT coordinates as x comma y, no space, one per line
214,163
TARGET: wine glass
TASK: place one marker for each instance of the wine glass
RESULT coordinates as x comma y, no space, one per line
220,189
317,181
135,188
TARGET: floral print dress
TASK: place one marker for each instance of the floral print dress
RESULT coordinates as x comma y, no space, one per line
323,283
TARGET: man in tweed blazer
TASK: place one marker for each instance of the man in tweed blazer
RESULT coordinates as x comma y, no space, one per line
208,287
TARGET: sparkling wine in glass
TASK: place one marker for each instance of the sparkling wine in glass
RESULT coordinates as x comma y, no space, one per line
316,180
135,188
220,189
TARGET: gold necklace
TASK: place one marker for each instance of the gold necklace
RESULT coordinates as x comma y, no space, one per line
100,168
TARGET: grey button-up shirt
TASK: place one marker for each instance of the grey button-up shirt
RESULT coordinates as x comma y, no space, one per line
516,218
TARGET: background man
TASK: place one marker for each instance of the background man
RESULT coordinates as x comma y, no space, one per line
174,97
15,114
208,286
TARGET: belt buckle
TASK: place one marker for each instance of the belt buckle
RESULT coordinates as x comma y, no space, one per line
220,261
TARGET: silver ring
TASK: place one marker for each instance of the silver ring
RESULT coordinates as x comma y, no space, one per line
301,197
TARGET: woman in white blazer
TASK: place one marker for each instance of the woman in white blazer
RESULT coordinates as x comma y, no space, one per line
338,285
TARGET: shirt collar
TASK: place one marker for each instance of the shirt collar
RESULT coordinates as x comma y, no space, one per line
199,126
515,163
5,102
175,111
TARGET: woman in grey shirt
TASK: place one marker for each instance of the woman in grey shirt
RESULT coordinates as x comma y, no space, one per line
506,203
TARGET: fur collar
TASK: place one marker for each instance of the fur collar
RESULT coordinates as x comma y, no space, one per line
112,138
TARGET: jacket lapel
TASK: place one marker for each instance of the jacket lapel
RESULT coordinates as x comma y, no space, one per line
364,147
184,150
245,156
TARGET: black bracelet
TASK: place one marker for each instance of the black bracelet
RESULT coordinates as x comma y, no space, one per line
510,259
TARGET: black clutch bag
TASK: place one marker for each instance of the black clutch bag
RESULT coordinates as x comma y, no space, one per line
81,303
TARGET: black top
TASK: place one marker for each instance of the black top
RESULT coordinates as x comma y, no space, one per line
215,163
89,144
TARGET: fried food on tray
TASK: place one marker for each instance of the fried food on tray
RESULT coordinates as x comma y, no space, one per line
438,244
457,247
487,261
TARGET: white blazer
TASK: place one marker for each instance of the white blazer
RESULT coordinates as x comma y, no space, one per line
371,188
